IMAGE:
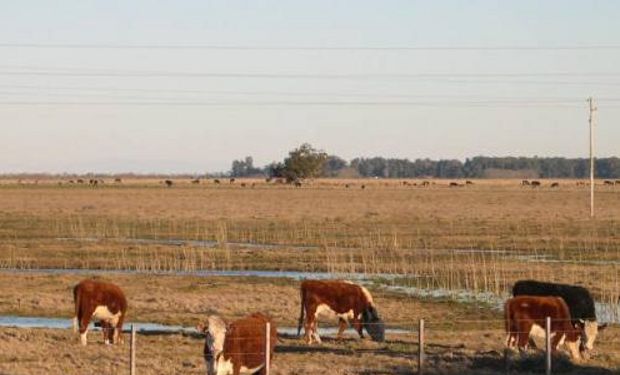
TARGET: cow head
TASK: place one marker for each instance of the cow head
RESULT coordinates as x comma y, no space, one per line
373,324
589,331
214,328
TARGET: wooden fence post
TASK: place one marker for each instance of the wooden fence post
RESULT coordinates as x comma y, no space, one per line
132,351
548,346
267,347
421,347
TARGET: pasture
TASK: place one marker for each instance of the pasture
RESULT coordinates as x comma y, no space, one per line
445,254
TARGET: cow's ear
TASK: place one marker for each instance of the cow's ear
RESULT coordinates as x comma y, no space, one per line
602,326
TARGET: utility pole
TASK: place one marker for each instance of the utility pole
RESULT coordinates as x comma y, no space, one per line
592,121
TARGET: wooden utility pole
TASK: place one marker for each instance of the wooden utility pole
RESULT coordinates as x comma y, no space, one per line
592,122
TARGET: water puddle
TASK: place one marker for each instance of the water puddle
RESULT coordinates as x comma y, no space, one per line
64,323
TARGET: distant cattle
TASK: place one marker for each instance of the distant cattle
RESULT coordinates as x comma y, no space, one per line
608,182
346,186
216,181
268,179
363,187
195,181
468,182
555,185
232,181
93,182
351,303
581,183
243,184
525,182
526,315
237,348
168,183
100,301
535,183
578,299
298,184
118,180
425,183
80,181
617,182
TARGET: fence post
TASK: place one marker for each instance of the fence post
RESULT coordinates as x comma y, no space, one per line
548,346
421,347
132,351
267,347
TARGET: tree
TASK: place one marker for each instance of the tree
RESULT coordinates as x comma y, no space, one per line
304,162
333,165
244,168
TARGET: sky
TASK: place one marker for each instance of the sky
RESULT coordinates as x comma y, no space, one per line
188,86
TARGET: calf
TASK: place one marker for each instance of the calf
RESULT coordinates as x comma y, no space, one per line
238,348
525,316
580,304
350,302
100,301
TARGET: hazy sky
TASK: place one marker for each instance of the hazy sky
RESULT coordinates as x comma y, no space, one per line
195,109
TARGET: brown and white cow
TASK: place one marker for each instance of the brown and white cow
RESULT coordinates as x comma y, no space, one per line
350,302
237,348
525,316
103,302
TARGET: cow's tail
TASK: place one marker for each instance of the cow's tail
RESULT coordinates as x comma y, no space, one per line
301,313
76,301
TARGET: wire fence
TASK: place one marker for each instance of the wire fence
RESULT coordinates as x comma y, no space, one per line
420,347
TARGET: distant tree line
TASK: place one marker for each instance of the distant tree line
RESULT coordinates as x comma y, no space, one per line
308,162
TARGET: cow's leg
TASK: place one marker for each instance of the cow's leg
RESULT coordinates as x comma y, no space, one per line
357,324
523,335
342,325
84,320
309,324
315,331
118,331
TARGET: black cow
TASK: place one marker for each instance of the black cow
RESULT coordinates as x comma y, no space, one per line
578,299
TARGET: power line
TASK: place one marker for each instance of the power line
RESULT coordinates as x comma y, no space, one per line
313,48
303,76
95,91
297,104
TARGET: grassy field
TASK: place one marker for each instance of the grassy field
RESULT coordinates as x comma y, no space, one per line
461,338
479,237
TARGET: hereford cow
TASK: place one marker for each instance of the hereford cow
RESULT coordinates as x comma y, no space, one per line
103,302
525,316
238,348
580,304
350,302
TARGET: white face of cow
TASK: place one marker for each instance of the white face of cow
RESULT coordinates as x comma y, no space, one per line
215,330
590,331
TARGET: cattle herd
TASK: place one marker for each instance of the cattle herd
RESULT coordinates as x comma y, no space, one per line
239,347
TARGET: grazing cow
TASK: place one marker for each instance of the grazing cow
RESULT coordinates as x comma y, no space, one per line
617,182
425,183
80,181
525,316
579,301
238,348
268,179
454,184
168,183
195,181
100,301
468,182
232,180
298,184
608,182
216,181
555,185
525,183
117,180
363,187
346,186
535,183
243,184
350,302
